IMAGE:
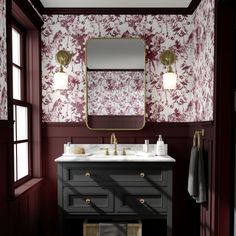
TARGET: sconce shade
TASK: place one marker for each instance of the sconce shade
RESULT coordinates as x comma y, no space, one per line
60,80
169,80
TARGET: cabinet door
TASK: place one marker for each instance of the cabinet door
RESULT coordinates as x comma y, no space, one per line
141,200
93,200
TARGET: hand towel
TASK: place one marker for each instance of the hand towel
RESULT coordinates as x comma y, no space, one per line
193,173
202,191
112,229
196,178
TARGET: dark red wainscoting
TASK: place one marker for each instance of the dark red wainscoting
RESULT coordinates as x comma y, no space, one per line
186,213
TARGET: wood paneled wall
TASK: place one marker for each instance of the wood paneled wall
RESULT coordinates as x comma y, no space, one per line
179,138
18,215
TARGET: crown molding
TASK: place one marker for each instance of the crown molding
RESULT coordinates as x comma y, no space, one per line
38,5
116,11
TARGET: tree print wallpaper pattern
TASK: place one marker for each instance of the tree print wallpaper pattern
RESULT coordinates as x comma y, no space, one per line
160,32
203,70
3,65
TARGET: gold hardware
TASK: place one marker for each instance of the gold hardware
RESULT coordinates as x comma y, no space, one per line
123,152
114,141
142,174
113,138
141,200
107,151
87,200
63,58
197,135
168,58
87,174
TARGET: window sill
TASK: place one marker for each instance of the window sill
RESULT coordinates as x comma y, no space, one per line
26,186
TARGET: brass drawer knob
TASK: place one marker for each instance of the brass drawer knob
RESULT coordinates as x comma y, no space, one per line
87,174
142,175
141,200
88,200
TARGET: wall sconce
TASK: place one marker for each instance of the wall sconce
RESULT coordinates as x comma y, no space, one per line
169,78
61,78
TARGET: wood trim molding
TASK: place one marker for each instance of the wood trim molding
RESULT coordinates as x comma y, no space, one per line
224,132
151,129
116,11
38,5
121,11
23,10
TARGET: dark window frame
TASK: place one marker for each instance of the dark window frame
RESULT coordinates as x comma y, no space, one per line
24,13
23,103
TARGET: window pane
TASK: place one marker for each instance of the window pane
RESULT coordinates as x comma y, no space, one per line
22,160
16,83
16,47
15,164
22,122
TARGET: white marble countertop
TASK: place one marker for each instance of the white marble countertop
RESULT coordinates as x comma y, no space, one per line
112,158
96,153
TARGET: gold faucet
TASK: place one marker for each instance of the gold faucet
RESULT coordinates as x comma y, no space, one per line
114,141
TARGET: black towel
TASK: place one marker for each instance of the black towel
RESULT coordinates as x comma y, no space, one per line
112,229
196,178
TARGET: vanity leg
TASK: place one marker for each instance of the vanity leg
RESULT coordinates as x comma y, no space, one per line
169,225
60,201
169,204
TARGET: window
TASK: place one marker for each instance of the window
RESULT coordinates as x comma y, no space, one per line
21,109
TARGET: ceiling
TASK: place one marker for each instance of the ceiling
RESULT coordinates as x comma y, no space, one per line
116,4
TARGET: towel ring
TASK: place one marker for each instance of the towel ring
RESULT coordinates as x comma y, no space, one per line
197,135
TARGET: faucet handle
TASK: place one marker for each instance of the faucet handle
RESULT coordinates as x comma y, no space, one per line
123,152
107,150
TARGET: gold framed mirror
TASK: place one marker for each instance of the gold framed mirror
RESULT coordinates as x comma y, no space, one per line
115,83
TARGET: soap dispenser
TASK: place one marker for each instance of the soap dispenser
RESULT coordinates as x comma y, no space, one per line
160,148
68,148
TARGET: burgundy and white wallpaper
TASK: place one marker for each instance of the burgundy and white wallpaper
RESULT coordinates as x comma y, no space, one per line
3,65
203,70
115,92
160,32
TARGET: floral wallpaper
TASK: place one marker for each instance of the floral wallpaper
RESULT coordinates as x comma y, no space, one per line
160,32
203,70
3,65
115,92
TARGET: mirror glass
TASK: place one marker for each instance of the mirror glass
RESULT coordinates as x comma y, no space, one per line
115,85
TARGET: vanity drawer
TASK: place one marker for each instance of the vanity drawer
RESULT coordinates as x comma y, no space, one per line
75,175
95,200
139,177
144,200
82,176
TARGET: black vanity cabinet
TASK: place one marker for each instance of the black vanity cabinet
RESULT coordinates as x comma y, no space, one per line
115,190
